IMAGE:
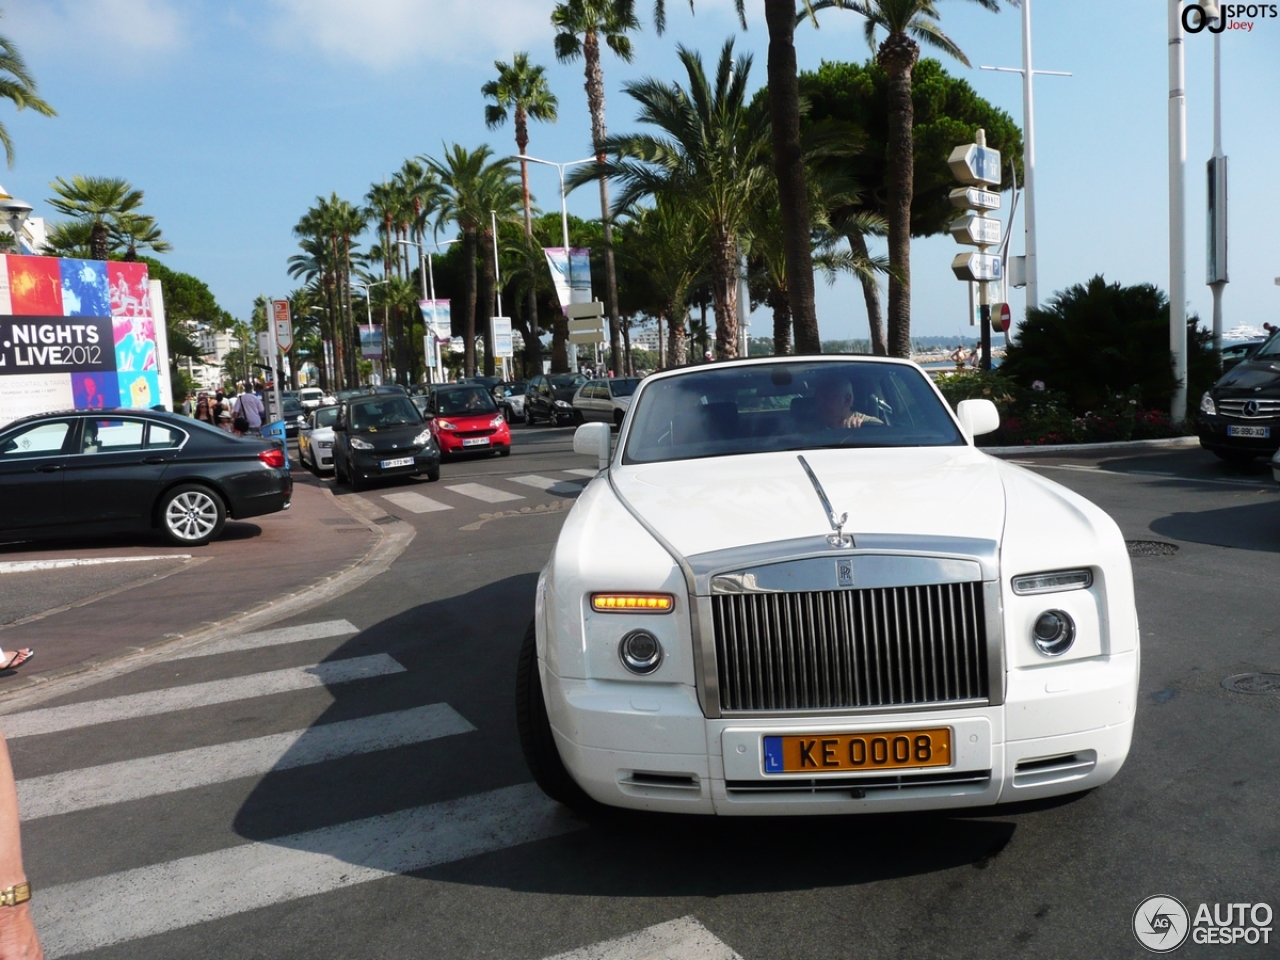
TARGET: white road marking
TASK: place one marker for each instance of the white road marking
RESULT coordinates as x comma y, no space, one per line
270,638
479,491
88,914
54,719
581,472
533,480
110,783
1085,468
683,939
26,566
415,502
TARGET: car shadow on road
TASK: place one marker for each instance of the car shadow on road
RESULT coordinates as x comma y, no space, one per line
151,539
462,651
1250,526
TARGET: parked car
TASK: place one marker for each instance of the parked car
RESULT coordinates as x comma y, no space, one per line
312,397
510,398
382,436
604,400
465,419
293,414
315,440
1239,417
797,587
105,471
549,397
1234,352
487,382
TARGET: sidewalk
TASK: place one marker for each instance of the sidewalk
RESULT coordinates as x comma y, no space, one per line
77,616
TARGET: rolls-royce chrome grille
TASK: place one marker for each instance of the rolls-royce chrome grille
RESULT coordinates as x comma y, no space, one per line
833,649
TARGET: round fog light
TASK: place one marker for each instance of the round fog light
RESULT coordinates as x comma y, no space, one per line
1053,633
640,652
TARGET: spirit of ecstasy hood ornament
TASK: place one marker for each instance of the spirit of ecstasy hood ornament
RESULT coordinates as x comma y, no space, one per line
838,538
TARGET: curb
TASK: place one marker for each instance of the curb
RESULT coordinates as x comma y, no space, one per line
1168,442
392,541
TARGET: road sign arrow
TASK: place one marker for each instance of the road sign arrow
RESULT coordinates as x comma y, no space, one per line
971,163
976,230
976,266
974,198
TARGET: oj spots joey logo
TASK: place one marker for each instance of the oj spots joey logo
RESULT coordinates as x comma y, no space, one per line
1161,924
1233,16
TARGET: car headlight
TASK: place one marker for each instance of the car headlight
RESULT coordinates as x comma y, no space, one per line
445,424
1208,406
640,652
497,421
561,403
1053,633
358,444
1055,581
423,438
323,445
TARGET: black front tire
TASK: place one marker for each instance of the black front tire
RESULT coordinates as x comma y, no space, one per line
536,739
1235,456
578,418
433,474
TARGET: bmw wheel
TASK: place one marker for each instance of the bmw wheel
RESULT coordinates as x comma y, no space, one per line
192,515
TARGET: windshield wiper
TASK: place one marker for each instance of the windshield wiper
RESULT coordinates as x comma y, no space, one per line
838,538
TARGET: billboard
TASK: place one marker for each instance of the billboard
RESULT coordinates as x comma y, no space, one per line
76,334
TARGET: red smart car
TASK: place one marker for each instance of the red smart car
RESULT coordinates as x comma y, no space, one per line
465,419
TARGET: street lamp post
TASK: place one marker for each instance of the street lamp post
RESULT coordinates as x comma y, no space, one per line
1177,211
368,306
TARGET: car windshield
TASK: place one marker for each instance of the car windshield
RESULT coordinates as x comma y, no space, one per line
514,390
1269,350
735,409
326,416
465,401
624,387
567,383
310,393
387,411
292,408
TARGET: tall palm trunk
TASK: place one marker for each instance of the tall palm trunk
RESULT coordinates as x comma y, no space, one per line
898,56
871,294
595,101
99,241
485,298
335,325
781,306
724,293
676,353
788,165
469,299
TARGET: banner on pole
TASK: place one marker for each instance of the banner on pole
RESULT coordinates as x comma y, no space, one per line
570,273
370,341
436,317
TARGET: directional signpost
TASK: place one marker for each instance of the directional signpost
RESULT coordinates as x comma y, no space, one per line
586,322
977,166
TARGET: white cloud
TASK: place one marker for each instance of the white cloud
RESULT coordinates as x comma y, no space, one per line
383,34
113,27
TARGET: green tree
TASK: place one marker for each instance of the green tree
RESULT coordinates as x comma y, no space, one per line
524,91
709,156
19,88
905,22
946,111
580,26
108,208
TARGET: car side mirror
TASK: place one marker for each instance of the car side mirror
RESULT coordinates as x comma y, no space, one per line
977,417
339,426
592,440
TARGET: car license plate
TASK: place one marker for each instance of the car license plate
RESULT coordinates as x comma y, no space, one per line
1260,432
476,442
831,752
401,462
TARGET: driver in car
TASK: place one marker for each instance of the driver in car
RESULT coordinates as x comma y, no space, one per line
834,397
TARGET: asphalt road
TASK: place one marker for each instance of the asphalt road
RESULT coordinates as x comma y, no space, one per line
354,787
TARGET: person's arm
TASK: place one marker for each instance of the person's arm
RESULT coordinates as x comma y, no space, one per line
18,940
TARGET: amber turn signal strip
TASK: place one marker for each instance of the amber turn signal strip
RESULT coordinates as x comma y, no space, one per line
632,602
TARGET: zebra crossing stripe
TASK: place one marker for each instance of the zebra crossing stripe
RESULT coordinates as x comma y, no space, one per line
582,472
88,914
683,939
170,772
53,719
478,491
270,638
561,488
533,480
415,502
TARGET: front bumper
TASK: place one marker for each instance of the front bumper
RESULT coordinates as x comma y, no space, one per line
647,746
500,439
368,463
1212,431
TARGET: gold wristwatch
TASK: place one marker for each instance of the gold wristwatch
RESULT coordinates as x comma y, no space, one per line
18,893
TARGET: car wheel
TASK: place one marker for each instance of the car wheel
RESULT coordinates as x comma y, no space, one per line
536,738
356,482
528,417
578,418
617,419
504,452
506,414
433,474
192,515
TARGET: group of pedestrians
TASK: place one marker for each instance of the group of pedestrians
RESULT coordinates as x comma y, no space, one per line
240,414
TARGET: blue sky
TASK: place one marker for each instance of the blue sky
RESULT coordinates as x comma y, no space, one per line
233,116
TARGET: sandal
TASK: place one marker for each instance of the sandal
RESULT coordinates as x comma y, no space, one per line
18,659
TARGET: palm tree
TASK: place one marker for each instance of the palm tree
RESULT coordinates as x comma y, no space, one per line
902,20
580,25
106,204
138,230
19,87
524,91
710,157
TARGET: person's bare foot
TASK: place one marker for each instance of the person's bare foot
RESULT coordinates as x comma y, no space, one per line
17,659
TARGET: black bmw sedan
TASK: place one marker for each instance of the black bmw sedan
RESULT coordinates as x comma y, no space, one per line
382,436
89,472
1239,418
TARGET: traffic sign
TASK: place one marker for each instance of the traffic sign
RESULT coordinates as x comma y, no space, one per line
974,198
976,230
971,163
283,325
592,309
502,337
1001,318
977,266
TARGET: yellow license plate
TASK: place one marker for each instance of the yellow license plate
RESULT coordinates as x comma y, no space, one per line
832,752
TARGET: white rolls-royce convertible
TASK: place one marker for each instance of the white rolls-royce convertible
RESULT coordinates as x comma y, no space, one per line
798,587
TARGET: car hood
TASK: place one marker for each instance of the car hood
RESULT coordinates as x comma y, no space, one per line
722,502
391,438
1251,375
479,421
321,435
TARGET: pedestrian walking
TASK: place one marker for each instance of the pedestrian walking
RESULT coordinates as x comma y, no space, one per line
17,931
247,414
205,412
